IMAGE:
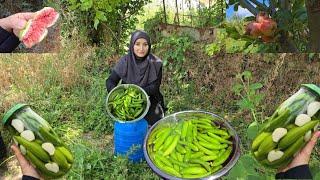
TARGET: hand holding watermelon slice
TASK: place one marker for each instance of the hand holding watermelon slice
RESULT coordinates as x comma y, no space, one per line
35,30
16,22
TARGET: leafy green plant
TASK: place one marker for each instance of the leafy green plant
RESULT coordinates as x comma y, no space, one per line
173,49
211,16
151,23
313,56
117,18
219,44
250,98
248,168
92,162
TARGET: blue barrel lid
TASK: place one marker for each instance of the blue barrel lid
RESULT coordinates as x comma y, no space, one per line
9,113
134,128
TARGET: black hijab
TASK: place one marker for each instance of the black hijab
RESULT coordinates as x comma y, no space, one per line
139,71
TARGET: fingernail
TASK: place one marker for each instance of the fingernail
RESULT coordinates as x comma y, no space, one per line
318,133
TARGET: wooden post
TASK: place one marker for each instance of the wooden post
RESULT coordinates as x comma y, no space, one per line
182,11
164,11
190,16
223,10
177,13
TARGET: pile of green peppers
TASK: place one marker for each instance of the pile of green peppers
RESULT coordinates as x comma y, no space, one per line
127,104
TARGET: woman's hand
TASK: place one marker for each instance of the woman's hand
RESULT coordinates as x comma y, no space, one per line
26,168
16,22
303,156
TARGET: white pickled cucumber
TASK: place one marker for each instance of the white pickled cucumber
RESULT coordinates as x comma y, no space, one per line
18,125
278,134
313,108
49,148
52,166
23,150
274,155
28,135
307,136
302,119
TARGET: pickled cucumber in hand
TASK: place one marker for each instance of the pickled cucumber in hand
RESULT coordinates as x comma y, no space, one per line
288,129
38,142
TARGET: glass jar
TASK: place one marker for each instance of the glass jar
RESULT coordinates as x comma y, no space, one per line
289,129
38,142
296,104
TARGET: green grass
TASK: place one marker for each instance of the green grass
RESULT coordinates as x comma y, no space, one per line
76,111
68,90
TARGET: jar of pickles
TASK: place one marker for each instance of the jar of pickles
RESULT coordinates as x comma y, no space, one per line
38,142
304,101
289,128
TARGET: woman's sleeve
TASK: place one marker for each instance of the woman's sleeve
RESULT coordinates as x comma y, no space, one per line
8,41
24,177
299,172
112,81
153,88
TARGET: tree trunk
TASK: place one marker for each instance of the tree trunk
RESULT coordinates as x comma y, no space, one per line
313,11
286,44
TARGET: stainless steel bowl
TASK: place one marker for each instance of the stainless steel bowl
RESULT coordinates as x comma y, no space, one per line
112,93
184,115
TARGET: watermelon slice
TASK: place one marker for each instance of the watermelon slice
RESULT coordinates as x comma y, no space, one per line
36,29
47,17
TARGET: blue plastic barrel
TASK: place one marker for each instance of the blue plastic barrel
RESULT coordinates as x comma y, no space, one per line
128,139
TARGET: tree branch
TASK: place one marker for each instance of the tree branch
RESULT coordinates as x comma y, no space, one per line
285,4
260,5
272,7
246,4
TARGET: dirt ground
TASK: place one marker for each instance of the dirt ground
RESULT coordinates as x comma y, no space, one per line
281,75
11,166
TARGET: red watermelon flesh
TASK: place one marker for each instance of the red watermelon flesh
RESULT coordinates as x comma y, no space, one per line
34,34
36,29
47,16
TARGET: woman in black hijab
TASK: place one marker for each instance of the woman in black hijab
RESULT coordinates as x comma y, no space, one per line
144,69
